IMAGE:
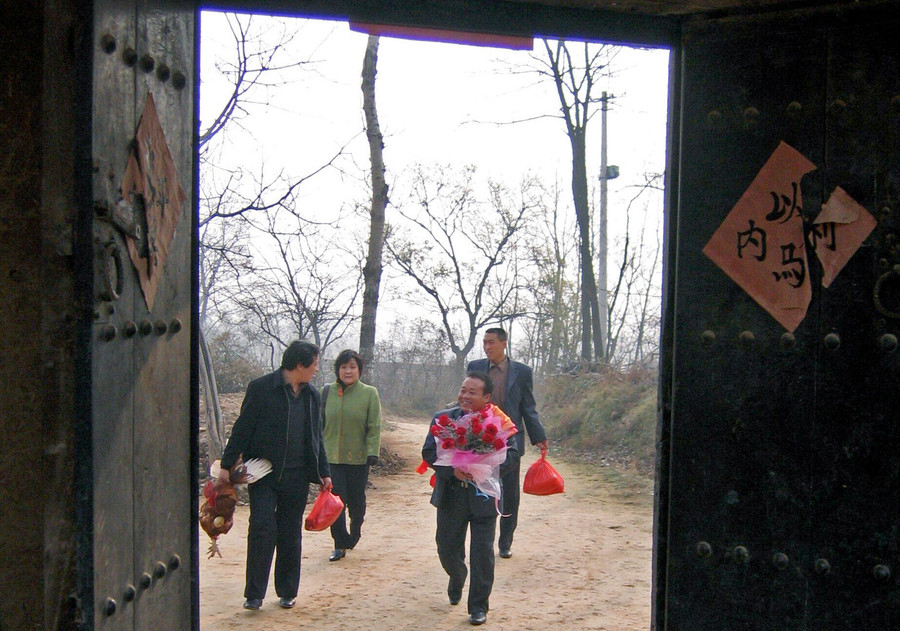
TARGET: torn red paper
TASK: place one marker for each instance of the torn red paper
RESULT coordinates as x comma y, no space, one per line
150,178
760,244
838,231
512,42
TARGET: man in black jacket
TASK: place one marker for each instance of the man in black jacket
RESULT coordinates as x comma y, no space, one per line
279,422
513,392
461,507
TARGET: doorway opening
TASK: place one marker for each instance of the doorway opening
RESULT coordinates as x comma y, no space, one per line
482,230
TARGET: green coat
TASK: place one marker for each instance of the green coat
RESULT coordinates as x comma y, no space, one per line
352,423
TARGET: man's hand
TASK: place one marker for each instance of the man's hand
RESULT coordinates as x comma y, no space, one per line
459,474
326,484
542,445
224,475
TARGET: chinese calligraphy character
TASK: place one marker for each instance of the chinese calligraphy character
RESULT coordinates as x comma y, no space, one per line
795,276
823,232
784,207
747,238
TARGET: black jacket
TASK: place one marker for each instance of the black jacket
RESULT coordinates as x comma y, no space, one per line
443,476
261,430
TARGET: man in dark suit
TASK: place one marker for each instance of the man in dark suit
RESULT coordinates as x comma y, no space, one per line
513,392
460,507
279,421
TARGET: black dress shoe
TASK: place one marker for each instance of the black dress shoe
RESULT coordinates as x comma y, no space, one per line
505,553
455,595
337,554
478,617
287,603
253,603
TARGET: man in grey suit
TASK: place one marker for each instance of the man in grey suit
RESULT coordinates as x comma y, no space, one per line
513,392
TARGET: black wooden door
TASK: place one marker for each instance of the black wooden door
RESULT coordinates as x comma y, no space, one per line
138,566
780,507
854,472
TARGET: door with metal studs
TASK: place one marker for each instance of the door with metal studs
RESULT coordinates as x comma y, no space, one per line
136,569
780,508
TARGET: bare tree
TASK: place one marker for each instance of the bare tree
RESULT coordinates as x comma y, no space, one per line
223,253
551,325
260,61
258,64
239,199
215,424
575,69
634,298
413,371
301,284
646,345
222,245
373,266
453,249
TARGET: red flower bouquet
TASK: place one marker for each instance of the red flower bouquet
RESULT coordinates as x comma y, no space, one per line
475,443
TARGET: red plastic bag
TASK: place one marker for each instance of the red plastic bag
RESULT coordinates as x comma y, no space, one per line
325,511
542,478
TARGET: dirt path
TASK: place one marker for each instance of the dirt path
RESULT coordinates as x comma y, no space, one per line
580,560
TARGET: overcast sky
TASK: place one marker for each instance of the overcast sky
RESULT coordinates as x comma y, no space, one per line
444,103
437,103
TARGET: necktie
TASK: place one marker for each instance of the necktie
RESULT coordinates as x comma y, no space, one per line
499,386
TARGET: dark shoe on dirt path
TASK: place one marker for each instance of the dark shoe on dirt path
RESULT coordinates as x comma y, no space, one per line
454,594
337,554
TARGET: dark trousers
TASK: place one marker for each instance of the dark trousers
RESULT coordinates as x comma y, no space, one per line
276,516
350,485
510,484
453,518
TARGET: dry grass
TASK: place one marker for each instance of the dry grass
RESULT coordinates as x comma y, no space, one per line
607,420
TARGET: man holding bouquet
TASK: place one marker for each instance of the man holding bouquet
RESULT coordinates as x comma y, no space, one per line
470,446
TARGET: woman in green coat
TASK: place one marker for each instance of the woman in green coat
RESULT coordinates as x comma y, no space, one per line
352,435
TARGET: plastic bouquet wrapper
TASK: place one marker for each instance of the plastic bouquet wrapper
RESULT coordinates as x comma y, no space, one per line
542,478
476,444
325,511
217,512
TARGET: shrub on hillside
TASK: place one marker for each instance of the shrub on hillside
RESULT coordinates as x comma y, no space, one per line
610,414
235,366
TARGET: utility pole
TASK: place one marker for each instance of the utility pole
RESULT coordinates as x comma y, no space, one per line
606,173
602,296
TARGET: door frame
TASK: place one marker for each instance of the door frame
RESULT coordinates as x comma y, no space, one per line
553,21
